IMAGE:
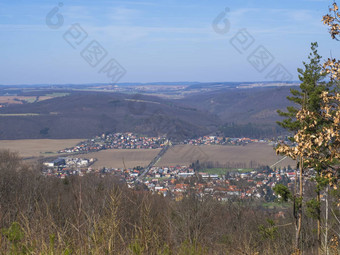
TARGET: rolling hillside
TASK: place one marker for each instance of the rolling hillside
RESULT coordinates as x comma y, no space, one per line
256,105
86,114
83,114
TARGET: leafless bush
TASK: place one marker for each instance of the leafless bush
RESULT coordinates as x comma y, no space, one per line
94,215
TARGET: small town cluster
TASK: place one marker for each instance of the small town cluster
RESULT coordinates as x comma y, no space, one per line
133,141
117,141
173,181
233,184
177,181
221,140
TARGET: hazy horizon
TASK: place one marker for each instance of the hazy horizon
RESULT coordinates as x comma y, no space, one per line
152,41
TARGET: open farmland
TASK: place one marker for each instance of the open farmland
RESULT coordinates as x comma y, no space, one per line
15,99
22,99
37,147
235,156
116,158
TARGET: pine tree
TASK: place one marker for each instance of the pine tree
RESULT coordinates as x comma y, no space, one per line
307,98
309,93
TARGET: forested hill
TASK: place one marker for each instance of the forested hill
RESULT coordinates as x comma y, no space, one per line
86,114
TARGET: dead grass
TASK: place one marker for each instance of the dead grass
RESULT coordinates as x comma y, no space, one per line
11,99
117,158
262,154
37,147
28,99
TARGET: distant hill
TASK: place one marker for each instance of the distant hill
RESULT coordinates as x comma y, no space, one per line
255,105
84,114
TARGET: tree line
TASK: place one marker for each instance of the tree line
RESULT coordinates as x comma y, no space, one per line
315,127
95,215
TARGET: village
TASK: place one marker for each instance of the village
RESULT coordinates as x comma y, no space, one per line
174,181
177,181
116,141
133,141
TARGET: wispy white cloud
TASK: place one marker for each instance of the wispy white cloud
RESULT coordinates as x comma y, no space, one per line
147,3
123,15
316,1
22,27
300,15
272,13
131,33
77,13
277,21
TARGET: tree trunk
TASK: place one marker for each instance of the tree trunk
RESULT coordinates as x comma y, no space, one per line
299,208
295,206
319,220
326,223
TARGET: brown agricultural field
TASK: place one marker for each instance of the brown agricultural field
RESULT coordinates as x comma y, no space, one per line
117,158
20,99
38,147
257,153
14,99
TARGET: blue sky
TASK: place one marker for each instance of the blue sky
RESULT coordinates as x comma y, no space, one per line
170,40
